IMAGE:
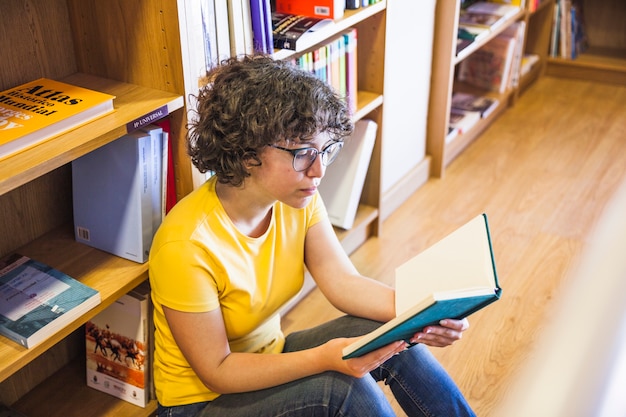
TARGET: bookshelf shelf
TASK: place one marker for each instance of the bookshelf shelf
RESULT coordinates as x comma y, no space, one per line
131,103
44,399
605,58
110,275
446,64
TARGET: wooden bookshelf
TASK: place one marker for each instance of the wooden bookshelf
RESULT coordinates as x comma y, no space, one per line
605,58
131,49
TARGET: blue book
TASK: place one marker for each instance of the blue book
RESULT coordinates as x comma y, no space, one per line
450,280
38,300
112,197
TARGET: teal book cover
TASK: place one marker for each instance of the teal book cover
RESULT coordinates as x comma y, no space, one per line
38,300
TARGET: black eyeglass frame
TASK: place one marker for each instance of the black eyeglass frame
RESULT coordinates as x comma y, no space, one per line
302,151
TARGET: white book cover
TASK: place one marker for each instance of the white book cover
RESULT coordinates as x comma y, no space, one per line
156,178
342,185
112,198
116,343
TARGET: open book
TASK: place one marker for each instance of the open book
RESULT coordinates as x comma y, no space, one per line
452,279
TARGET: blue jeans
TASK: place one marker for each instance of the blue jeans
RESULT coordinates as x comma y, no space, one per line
418,382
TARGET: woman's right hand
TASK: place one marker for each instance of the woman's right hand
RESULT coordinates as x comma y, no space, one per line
361,366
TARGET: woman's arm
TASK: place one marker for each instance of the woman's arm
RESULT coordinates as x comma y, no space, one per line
339,280
360,296
202,339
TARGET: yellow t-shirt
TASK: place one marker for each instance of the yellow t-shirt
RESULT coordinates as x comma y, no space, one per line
199,262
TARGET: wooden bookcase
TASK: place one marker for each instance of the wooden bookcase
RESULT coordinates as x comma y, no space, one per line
445,63
605,58
132,49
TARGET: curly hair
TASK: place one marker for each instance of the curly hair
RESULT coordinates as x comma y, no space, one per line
253,101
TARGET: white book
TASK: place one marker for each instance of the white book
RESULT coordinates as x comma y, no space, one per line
342,185
117,349
237,28
156,177
222,29
112,198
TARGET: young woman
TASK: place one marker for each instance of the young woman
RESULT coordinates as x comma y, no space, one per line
234,251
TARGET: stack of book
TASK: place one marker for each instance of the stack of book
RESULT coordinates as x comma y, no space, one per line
568,37
487,14
483,105
336,64
495,66
119,193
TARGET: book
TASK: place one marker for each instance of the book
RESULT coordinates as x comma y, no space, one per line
528,62
453,132
39,300
452,279
240,27
117,350
42,109
323,9
483,105
289,29
489,66
467,35
351,39
156,165
463,120
112,197
487,14
342,184
259,28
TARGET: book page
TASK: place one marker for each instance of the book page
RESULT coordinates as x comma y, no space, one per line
459,262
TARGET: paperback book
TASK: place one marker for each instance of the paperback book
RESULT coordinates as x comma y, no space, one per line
117,349
39,110
289,30
323,9
489,67
342,186
38,300
452,279
113,197
463,120
483,105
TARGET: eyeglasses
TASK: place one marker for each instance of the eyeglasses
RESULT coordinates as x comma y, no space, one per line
303,158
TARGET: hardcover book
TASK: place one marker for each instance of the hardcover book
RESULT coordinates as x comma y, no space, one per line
323,9
44,108
288,29
112,197
483,105
489,67
342,185
38,300
463,120
487,14
452,279
118,351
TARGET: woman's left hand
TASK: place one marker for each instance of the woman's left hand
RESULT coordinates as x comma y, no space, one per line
448,332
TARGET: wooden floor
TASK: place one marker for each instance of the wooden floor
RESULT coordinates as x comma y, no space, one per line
543,172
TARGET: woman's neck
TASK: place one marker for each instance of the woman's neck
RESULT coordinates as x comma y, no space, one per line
250,217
